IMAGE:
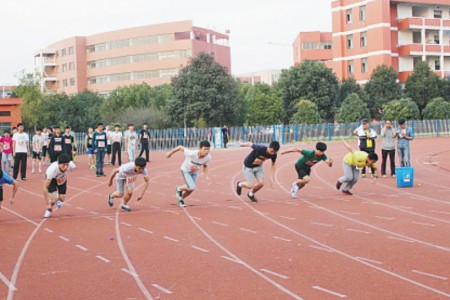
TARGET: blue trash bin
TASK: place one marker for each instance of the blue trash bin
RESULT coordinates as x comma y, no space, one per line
405,176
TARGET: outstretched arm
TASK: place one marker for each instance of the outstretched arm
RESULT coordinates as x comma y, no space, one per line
147,181
113,174
248,144
299,150
170,153
15,188
347,145
329,162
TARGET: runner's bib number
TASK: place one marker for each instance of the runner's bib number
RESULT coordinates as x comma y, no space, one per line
101,144
58,148
61,179
131,180
6,146
68,141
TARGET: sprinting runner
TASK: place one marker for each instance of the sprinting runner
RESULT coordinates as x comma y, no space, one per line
125,178
253,168
131,142
190,168
99,149
56,145
90,148
55,184
353,162
46,135
144,141
21,148
38,143
305,163
4,178
69,141
7,156
116,139
108,143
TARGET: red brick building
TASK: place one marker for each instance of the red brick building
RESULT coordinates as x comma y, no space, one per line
10,113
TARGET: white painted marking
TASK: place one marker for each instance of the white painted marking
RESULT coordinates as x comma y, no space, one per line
400,239
126,224
161,194
220,224
429,275
231,259
145,230
349,213
171,239
329,291
164,290
67,204
369,260
281,238
424,224
356,230
172,212
404,207
200,249
103,259
322,224
93,212
7,282
63,238
48,230
248,230
129,272
81,247
287,218
235,207
274,273
108,218
320,248
431,163
154,207
79,208
196,218
440,212
385,218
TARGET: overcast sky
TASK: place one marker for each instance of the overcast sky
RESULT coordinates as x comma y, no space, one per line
28,25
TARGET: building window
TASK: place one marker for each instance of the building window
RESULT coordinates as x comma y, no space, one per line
71,66
309,45
349,16
438,14
72,81
64,67
71,51
437,65
364,39
351,67
364,65
350,41
64,82
437,40
362,13
63,52
5,113
326,45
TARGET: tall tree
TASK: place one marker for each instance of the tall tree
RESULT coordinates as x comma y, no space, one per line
310,80
401,109
349,86
264,109
29,90
307,113
423,85
437,109
382,88
353,109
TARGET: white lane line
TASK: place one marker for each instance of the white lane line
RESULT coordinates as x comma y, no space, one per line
81,247
145,230
129,272
161,194
48,230
79,208
103,259
63,238
93,212
172,212
404,207
369,260
440,212
67,204
154,207
400,239
322,224
320,248
200,249
171,239
287,218
7,282
385,218
274,273
196,218
350,213
329,291
231,259
356,230
108,218
281,238
429,275
164,290
248,230
424,224
235,207
220,224
126,224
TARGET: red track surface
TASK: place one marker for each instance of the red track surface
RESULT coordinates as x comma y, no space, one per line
381,243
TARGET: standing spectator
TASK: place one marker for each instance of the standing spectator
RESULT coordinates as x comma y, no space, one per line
366,141
108,143
46,135
116,139
100,146
225,133
388,134
38,143
69,141
88,144
404,136
56,145
144,140
6,143
21,147
131,143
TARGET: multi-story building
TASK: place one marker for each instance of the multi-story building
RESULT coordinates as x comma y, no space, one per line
150,54
313,46
267,76
397,33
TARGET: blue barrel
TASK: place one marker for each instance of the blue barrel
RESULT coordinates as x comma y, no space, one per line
405,176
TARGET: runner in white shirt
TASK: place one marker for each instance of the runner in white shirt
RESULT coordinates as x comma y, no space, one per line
21,147
38,143
131,139
55,184
126,177
190,167
45,134
116,139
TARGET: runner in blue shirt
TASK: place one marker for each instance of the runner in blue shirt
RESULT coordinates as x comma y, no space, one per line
4,178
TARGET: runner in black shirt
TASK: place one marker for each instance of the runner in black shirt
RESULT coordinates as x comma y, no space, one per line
57,145
144,140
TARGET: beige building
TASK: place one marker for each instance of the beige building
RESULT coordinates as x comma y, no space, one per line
266,76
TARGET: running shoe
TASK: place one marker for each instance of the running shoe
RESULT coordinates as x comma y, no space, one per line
110,200
48,213
252,197
126,208
363,175
338,185
181,203
347,192
384,176
32,171
178,193
238,188
393,175
58,204
294,190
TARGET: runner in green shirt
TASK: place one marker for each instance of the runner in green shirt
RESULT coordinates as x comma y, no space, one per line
304,164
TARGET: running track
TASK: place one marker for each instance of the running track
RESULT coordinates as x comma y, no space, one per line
381,243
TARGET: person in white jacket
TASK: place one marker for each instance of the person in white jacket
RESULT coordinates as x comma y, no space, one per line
366,141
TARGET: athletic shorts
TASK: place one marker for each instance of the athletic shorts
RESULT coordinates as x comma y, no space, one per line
302,172
44,150
251,174
190,179
35,155
120,186
53,187
90,151
108,149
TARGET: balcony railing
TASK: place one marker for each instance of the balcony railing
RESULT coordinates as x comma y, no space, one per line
414,23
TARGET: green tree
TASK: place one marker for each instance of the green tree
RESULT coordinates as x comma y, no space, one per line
382,88
307,113
423,85
352,109
264,110
309,80
446,88
204,89
437,109
401,109
349,86
138,95
30,92
161,95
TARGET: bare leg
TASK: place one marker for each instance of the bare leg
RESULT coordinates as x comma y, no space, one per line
127,197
